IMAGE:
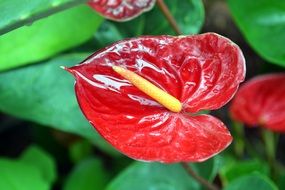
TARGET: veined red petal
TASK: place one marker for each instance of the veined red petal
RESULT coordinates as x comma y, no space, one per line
261,101
212,73
121,10
157,135
202,71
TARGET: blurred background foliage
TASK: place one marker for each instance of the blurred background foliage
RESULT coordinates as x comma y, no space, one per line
46,143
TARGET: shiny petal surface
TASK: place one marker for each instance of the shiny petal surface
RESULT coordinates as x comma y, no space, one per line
121,10
261,101
162,136
202,71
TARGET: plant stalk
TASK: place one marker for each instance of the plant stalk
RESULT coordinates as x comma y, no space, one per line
40,15
270,142
166,12
198,178
239,138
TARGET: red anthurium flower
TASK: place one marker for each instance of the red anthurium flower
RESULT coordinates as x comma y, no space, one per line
261,101
143,95
121,10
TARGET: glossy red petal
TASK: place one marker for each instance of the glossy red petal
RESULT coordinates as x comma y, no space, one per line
192,68
161,136
202,71
211,74
121,10
261,101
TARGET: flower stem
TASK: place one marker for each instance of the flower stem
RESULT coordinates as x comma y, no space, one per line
269,141
164,9
270,149
198,178
40,15
239,137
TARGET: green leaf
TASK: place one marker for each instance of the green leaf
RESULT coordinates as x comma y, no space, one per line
189,15
44,94
262,23
17,175
210,168
281,181
88,175
36,157
127,29
48,37
253,181
148,176
80,150
237,169
34,170
14,14
107,34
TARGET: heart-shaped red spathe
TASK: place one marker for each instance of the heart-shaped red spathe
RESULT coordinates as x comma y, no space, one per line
261,101
121,10
202,71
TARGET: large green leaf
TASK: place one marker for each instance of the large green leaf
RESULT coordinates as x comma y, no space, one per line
262,23
88,175
34,170
14,14
47,37
44,162
44,94
148,176
253,182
